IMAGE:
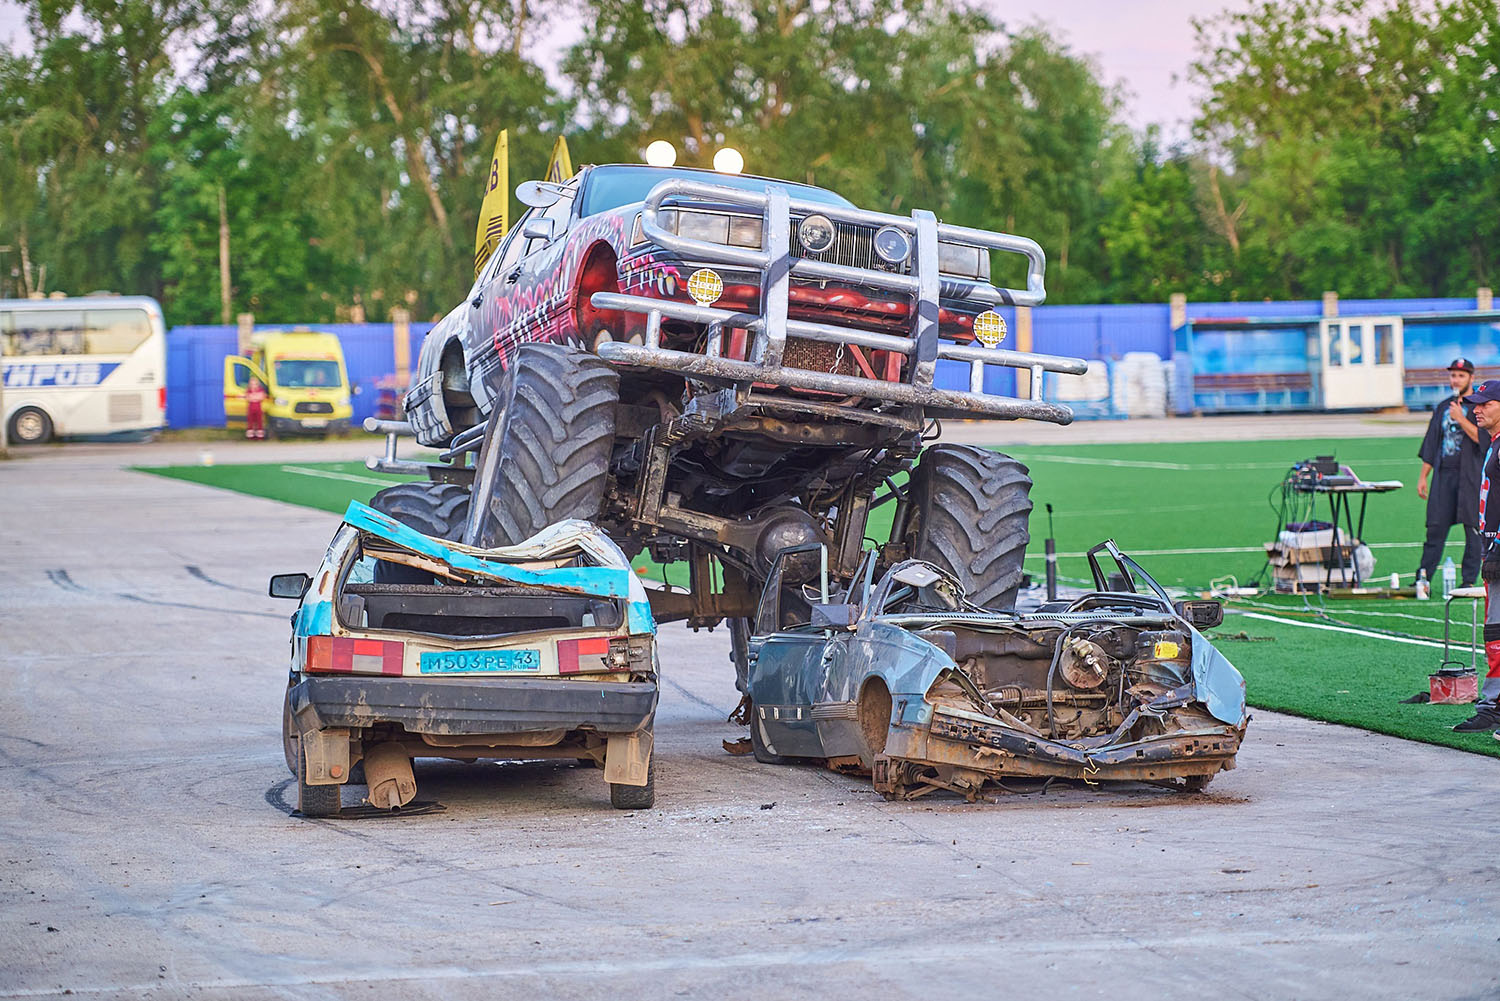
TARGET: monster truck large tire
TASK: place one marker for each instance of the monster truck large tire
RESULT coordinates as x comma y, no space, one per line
437,509
969,513
440,510
552,433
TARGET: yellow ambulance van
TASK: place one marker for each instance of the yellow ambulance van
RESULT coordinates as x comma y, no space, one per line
307,384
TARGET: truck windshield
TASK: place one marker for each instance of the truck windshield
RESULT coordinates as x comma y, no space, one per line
613,186
300,373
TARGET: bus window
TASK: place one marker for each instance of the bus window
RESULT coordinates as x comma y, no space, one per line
116,331
48,331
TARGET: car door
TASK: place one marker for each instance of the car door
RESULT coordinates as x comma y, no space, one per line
541,280
237,374
486,314
789,661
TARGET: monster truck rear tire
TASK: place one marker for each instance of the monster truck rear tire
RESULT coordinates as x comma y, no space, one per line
552,433
437,509
440,510
969,513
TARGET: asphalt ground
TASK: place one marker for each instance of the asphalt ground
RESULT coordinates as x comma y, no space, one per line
149,849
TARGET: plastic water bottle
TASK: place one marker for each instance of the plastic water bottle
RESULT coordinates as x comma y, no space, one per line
1424,589
1450,577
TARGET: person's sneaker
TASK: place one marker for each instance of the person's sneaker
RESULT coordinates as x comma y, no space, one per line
1484,719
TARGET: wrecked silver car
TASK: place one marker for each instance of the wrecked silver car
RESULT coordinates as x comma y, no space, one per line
408,646
900,676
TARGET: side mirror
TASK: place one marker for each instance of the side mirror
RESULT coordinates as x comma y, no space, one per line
538,194
356,389
290,585
539,229
834,616
1201,614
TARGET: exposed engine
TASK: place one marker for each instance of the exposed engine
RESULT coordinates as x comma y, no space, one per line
1071,682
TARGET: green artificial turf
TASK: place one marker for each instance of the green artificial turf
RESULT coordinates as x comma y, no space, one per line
1190,513
327,486
1343,678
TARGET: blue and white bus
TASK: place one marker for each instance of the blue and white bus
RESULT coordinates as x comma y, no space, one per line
87,366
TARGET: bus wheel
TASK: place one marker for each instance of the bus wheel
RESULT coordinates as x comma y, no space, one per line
30,426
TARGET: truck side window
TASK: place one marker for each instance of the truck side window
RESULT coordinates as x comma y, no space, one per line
505,255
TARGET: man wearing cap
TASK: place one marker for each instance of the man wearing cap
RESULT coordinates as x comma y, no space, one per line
1485,401
1454,449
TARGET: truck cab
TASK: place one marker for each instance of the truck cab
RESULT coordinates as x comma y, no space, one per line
307,383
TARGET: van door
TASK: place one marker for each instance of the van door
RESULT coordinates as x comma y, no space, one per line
1362,361
237,373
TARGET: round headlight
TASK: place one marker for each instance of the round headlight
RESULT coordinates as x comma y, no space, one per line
816,233
892,245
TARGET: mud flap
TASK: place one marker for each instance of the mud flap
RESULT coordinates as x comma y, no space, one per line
327,755
627,759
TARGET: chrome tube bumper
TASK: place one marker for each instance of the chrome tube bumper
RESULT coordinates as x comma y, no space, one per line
771,327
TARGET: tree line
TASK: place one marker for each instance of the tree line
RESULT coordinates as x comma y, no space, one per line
340,148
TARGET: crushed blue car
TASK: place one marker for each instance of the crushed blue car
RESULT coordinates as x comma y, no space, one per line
407,646
898,675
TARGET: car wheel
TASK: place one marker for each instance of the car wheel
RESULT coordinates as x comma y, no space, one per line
315,801
969,512
30,426
1196,783
874,720
548,445
289,743
624,797
758,741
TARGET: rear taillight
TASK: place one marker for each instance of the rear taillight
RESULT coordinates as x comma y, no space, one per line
344,654
580,656
161,398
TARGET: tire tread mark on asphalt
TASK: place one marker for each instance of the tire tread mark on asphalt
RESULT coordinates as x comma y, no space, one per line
61,579
276,797
197,571
198,608
693,698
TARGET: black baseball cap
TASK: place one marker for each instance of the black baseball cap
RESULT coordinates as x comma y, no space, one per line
1461,365
1486,391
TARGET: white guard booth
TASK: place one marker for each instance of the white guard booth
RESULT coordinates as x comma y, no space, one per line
1361,362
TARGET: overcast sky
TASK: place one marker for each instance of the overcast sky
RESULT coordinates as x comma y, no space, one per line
1144,46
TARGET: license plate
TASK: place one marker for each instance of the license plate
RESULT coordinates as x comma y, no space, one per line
468,661
319,423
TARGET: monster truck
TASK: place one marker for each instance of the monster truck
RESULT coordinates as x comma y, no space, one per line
715,367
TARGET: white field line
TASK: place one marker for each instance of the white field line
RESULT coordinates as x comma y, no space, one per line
1217,549
329,475
1082,460
1410,641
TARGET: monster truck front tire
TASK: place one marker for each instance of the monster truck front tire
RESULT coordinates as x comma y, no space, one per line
547,450
969,513
440,510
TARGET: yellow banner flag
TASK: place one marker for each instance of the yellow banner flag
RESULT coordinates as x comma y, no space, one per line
560,167
494,211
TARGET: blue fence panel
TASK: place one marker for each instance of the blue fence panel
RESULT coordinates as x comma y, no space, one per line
195,366
195,354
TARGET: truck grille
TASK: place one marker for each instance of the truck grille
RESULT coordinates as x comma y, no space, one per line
313,408
853,246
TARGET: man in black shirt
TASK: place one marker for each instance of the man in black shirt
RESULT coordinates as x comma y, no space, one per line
1454,448
1485,401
